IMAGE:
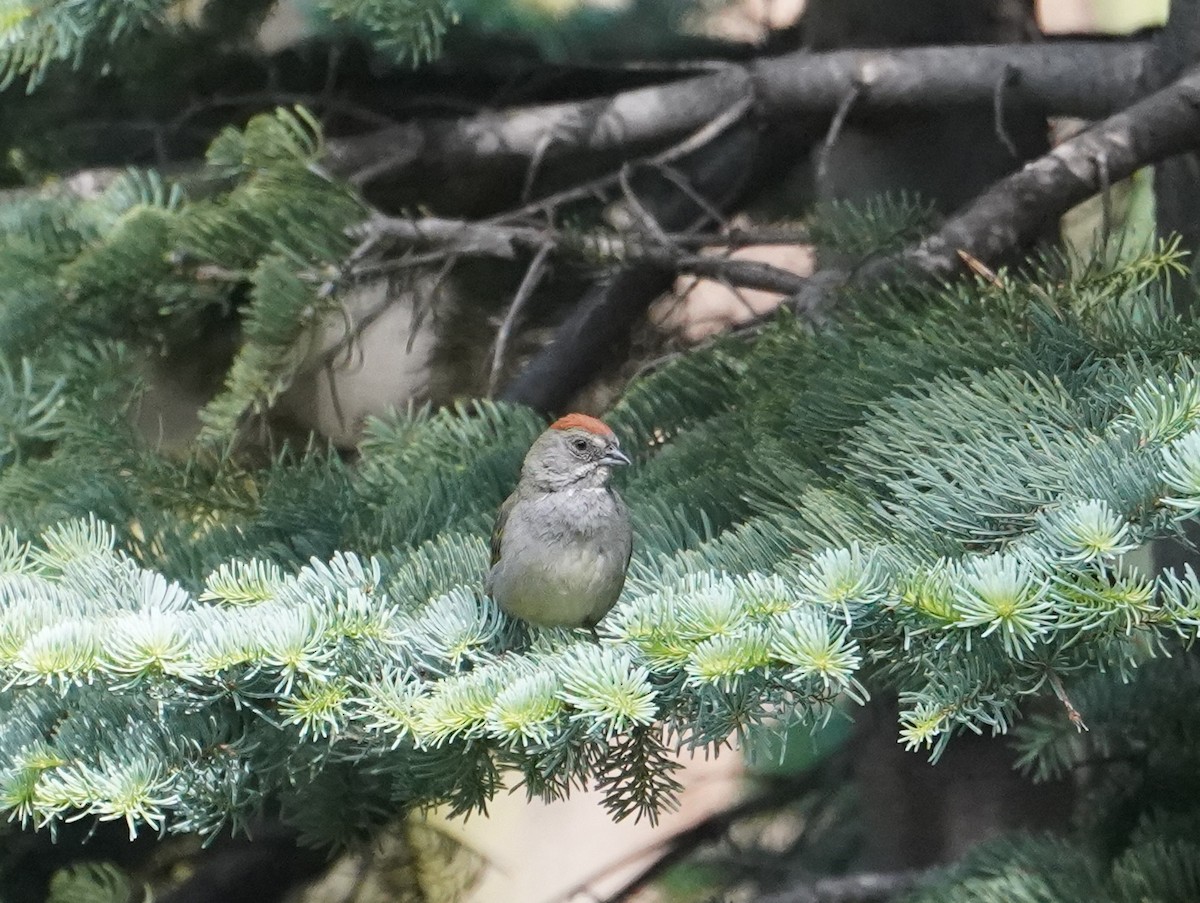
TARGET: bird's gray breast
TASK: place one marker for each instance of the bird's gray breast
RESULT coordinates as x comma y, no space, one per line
563,556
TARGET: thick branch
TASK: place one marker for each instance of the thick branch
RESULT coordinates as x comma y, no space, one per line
630,120
1010,214
1077,78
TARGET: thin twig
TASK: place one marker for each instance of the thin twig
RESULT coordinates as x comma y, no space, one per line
1106,208
496,239
705,134
744,273
381,165
1061,692
407,262
835,129
684,184
738,292
533,275
644,217
674,847
354,330
692,142
334,397
535,165
435,289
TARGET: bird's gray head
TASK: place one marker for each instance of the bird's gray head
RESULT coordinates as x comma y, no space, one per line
577,451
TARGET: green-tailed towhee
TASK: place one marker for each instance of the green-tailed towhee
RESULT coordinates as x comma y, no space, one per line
562,540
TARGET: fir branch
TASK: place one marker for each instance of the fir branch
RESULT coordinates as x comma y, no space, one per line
410,29
132,698
34,35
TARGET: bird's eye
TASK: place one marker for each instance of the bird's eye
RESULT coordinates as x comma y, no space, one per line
580,445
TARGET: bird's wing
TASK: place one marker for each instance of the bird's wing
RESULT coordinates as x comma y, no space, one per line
498,529
624,512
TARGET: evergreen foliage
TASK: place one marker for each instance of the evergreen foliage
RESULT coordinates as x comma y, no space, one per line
935,494
36,34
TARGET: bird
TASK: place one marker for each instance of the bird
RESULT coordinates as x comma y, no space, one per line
563,539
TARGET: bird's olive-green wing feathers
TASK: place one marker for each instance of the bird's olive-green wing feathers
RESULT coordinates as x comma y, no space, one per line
498,529
624,513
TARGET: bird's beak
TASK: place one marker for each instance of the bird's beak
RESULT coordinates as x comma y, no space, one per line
615,456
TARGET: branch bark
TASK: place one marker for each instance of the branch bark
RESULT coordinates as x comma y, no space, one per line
1004,219
619,125
715,173
1012,212
484,239
1071,78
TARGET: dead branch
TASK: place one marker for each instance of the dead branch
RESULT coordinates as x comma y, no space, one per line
716,171
533,275
739,273
640,118
466,238
1009,215
1069,78
1001,221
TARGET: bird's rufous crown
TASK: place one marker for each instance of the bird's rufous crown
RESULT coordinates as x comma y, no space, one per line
582,422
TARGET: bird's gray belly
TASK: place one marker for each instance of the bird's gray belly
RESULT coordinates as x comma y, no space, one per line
573,588
573,585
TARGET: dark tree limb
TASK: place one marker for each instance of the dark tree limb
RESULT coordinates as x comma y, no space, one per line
533,275
1001,221
1076,78
1177,180
716,172
621,124
1069,78
1009,215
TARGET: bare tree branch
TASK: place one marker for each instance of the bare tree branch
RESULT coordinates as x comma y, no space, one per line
1010,214
1003,220
584,341
494,239
1070,78
672,250
1076,78
739,273
533,275
643,117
